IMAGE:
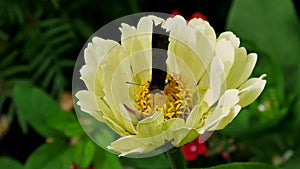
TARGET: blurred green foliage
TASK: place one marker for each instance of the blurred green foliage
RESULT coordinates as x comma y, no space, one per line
40,41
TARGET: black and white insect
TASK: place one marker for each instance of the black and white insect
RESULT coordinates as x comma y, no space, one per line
160,42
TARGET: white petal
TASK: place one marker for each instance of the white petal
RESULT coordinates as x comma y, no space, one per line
96,50
190,43
216,78
250,90
235,41
151,126
93,105
92,77
145,24
177,65
228,100
131,145
205,28
170,125
195,119
87,101
241,68
118,121
183,136
112,123
225,51
118,89
112,77
95,54
98,53
140,38
226,120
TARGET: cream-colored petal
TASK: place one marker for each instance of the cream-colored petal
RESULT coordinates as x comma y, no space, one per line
145,24
97,50
184,135
136,67
115,126
151,126
109,72
214,118
87,101
95,55
228,100
121,123
133,144
241,68
205,28
177,23
92,77
250,90
118,89
129,39
140,38
235,41
118,74
190,44
130,113
226,120
117,56
182,60
177,65
93,105
216,79
195,119
139,65
170,125
225,51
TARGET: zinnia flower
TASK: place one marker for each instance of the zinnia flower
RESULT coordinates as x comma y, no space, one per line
205,87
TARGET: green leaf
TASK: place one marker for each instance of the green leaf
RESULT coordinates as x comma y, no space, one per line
84,152
270,25
66,122
83,28
50,156
9,163
11,71
271,28
42,67
245,165
106,160
35,106
290,164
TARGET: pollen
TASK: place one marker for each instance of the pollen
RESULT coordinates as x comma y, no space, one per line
175,101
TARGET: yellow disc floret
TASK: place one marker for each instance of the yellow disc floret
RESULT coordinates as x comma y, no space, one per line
174,101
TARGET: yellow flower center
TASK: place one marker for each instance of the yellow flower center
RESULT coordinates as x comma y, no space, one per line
174,101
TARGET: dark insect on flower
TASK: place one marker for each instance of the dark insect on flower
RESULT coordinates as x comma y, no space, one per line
160,44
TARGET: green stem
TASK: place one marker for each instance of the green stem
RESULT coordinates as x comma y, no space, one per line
176,158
